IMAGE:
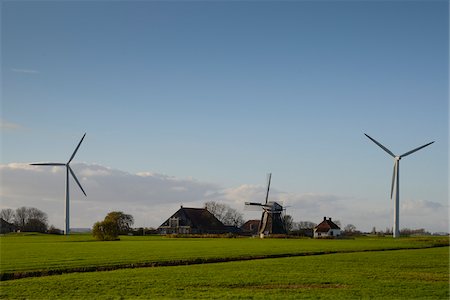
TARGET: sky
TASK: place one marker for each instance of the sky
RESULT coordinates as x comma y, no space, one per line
185,102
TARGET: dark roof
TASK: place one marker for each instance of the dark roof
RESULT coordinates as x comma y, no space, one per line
6,227
201,218
253,223
326,225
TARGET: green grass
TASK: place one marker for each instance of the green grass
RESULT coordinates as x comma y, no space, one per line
403,274
42,253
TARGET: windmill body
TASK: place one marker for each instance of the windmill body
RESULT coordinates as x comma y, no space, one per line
68,170
395,186
272,214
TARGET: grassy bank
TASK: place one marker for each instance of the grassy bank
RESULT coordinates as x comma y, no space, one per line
44,254
403,274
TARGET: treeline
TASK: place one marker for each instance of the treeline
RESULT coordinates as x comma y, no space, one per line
26,219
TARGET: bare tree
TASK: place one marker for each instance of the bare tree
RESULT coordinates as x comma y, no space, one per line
304,225
7,214
30,219
36,214
226,214
21,217
349,228
288,222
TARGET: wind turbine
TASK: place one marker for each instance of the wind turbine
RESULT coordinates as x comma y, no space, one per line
395,180
68,169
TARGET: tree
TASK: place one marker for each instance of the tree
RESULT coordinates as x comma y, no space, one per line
36,214
304,225
53,230
288,222
123,221
115,223
225,214
233,218
337,222
30,219
7,214
21,217
349,228
35,225
105,230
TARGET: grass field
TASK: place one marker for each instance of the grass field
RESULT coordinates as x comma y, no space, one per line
30,253
399,274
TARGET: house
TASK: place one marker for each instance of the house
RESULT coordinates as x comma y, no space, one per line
250,227
193,221
6,227
326,228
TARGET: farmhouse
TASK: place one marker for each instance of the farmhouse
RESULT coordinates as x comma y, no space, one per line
327,228
193,221
250,227
6,227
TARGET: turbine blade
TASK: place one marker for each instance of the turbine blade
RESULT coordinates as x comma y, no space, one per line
76,179
381,146
76,149
394,175
48,164
417,149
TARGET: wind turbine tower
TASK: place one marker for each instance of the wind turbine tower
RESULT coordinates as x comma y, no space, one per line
68,170
395,181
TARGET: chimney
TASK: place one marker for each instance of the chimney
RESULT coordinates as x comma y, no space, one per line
324,218
330,219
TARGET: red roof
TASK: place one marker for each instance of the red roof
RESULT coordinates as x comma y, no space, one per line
251,225
326,225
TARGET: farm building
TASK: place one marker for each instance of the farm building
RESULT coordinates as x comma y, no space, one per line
250,227
193,221
6,227
327,228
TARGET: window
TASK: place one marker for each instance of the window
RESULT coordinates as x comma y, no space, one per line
174,222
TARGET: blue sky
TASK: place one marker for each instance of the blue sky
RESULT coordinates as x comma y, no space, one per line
224,92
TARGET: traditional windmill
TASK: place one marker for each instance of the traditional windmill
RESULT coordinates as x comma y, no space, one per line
272,214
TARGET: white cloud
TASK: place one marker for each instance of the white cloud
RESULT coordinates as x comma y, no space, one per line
26,71
430,215
152,197
8,126
420,206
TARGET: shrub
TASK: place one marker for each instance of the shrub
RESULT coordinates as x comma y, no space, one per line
105,231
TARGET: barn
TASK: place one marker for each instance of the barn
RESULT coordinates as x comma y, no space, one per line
327,228
250,227
193,221
6,227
